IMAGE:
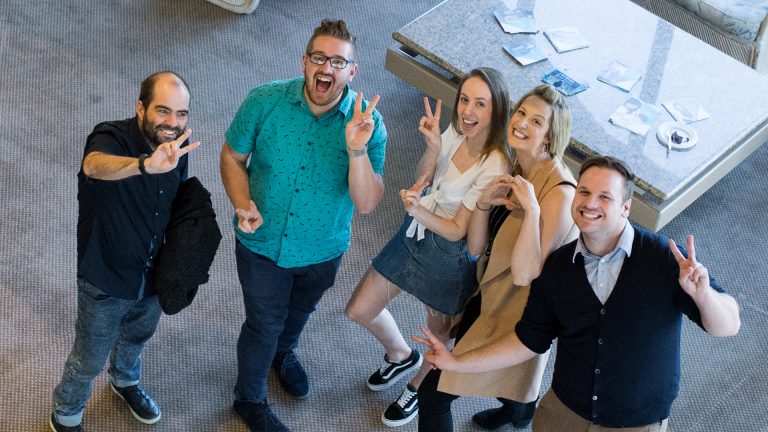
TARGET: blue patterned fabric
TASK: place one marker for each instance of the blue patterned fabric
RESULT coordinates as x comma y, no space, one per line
740,18
298,172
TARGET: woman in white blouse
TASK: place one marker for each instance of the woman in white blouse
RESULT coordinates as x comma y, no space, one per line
428,257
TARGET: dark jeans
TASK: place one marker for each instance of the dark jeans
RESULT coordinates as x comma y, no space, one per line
435,406
278,302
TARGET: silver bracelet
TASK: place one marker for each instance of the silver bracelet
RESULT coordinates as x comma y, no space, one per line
357,153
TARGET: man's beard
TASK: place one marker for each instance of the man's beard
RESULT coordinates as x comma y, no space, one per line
154,137
333,92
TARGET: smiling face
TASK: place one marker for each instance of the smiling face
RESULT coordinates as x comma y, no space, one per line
599,208
475,109
528,128
323,84
165,117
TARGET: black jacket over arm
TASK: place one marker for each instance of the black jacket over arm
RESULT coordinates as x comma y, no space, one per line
191,240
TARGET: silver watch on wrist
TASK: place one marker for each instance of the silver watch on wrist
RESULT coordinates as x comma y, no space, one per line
357,153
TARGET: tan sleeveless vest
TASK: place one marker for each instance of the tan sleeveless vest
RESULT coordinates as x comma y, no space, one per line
503,304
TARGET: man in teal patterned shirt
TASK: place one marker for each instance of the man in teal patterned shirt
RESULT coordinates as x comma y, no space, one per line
316,153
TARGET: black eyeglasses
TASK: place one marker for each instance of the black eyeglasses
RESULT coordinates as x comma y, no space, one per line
336,62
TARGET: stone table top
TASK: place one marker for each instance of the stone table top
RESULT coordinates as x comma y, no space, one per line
459,35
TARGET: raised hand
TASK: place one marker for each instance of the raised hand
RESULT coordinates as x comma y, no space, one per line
438,355
497,193
429,125
167,155
694,277
522,194
249,220
412,196
359,130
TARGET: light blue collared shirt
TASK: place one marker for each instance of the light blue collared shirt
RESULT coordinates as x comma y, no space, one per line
602,271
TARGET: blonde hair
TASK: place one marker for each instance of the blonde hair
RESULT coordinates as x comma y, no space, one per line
559,132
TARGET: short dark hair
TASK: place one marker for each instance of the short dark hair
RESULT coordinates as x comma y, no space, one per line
334,28
615,164
499,107
147,92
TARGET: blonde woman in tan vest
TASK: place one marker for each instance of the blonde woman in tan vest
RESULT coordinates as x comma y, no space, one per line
518,221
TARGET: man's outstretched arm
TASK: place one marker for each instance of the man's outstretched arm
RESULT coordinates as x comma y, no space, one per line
502,353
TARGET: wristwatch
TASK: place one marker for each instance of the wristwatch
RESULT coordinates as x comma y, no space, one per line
357,153
142,170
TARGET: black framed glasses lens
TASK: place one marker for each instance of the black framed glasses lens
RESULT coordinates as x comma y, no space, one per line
336,62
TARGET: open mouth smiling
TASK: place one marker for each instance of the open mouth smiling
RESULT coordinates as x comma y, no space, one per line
519,135
323,83
590,215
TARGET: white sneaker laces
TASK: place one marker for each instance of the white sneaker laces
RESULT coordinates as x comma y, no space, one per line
405,397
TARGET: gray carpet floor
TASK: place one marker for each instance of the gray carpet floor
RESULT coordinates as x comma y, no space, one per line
67,65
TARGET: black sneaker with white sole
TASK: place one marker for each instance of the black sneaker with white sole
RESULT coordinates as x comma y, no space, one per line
141,404
391,372
403,410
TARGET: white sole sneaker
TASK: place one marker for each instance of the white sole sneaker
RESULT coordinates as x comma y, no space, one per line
396,378
401,422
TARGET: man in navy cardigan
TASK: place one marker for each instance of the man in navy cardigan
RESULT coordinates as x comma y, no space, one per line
614,299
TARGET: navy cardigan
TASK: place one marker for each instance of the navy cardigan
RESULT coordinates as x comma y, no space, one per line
618,364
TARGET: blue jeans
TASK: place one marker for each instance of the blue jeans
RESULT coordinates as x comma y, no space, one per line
104,324
278,302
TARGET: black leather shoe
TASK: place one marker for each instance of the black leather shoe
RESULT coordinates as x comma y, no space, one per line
141,404
56,427
517,414
259,417
291,374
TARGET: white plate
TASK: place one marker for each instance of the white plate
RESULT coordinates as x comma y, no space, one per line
667,129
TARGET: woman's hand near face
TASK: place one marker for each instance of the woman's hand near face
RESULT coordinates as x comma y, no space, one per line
523,194
429,125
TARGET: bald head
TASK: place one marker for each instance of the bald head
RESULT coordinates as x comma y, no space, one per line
162,108
168,78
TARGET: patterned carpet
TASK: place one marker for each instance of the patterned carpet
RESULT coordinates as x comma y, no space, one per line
69,65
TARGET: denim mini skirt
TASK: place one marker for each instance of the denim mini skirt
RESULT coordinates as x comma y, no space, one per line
438,272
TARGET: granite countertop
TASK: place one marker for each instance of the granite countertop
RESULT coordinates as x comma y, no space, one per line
459,35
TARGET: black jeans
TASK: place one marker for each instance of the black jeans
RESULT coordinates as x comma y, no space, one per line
435,406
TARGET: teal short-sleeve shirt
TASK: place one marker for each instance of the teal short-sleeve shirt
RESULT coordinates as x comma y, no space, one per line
298,172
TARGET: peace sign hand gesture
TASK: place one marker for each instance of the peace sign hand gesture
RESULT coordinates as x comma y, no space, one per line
411,197
249,220
167,155
694,277
360,129
438,356
429,125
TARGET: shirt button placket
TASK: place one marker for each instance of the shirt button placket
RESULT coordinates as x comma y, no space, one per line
600,342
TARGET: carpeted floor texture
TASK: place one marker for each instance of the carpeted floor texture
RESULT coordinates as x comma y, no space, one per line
67,65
